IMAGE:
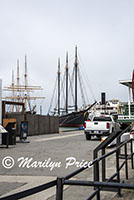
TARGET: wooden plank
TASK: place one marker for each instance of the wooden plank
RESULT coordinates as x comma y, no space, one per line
9,120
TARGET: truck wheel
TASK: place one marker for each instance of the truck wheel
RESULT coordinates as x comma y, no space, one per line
88,137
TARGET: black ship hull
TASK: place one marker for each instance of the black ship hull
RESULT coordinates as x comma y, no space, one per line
75,119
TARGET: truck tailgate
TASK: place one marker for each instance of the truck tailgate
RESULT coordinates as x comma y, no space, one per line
96,126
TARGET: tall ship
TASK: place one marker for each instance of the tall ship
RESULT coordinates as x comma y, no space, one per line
21,92
70,115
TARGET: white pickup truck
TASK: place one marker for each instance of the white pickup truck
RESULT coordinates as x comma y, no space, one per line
99,126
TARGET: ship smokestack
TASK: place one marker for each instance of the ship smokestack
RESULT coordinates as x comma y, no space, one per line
103,98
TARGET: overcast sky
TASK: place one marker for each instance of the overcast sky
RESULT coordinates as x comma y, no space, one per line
44,30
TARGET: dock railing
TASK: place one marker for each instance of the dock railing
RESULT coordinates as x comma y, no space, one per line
111,182
125,117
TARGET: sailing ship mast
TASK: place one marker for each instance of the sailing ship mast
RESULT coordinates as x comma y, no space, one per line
13,89
18,83
25,85
73,89
59,86
76,68
25,88
67,82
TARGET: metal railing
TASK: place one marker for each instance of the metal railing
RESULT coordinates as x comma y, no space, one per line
121,117
111,182
30,192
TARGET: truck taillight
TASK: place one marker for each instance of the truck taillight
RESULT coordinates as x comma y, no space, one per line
84,124
107,125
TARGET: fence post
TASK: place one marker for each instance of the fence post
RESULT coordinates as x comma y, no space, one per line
103,166
96,173
59,188
132,161
126,164
118,171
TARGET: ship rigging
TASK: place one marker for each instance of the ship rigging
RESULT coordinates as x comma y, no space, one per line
21,92
70,114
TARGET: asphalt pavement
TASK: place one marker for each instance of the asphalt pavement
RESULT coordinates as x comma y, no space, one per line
26,165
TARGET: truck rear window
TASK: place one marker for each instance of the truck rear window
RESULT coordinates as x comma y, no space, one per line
102,119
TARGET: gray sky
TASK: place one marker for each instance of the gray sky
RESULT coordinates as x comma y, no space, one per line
44,30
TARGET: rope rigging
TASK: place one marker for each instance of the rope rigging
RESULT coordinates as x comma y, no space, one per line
51,102
86,78
71,88
82,92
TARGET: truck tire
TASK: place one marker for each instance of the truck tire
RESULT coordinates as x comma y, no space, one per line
88,137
